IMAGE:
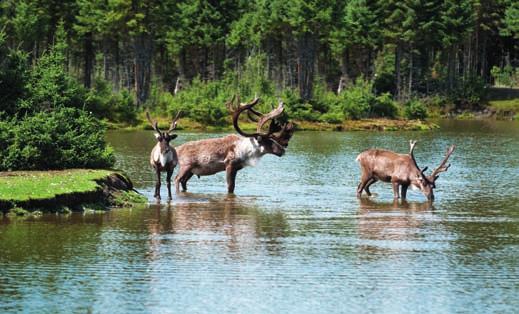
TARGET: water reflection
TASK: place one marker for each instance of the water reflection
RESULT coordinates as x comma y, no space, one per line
294,239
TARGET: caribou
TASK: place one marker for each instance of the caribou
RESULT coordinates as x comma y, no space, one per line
399,169
234,152
163,157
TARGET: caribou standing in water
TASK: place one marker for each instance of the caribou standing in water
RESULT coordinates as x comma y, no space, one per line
163,157
234,152
399,169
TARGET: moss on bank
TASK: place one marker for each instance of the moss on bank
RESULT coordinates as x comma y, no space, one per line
65,190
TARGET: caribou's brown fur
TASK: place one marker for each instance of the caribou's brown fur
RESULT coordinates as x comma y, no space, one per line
401,170
233,152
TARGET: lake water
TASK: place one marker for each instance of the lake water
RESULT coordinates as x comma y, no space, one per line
294,238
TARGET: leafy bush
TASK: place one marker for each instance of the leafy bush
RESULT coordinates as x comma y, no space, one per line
64,138
415,109
114,106
507,76
384,106
468,93
13,77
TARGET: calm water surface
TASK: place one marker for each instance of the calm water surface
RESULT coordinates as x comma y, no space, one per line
294,239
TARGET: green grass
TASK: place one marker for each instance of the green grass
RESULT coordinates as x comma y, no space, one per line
511,105
26,185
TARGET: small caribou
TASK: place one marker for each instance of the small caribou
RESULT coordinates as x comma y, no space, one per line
163,157
234,152
399,169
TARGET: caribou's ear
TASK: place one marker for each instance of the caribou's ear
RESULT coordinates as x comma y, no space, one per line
172,136
157,136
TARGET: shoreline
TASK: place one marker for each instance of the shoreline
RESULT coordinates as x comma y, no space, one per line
379,124
63,191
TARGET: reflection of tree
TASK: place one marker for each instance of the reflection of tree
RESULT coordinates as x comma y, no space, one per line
396,221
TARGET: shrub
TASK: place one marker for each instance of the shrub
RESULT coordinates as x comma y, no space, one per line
13,77
114,106
356,101
468,93
507,76
384,106
65,138
415,109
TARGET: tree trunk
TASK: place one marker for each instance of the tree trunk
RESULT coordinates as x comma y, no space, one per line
88,59
410,86
305,65
142,64
116,79
344,80
398,58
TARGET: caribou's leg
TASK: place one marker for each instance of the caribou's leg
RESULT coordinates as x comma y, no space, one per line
231,177
363,181
180,175
404,191
184,179
157,185
395,190
168,182
370,182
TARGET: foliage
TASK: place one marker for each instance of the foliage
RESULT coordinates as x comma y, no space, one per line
468,93
507,76
13,77
63,138
415,109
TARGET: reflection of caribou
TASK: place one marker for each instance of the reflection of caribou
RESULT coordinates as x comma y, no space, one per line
382,221
242,225
399,169
233,152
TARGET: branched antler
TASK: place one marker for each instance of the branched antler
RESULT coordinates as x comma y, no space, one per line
443,165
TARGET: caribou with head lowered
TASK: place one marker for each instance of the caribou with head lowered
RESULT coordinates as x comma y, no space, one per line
163,157
234,152
399,169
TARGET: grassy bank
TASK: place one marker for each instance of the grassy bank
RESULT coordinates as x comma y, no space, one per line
64,190
505,109
346,125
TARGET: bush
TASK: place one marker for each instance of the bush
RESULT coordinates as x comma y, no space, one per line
384,106
114,106
468,93
13,77
65,138
415,109
507,76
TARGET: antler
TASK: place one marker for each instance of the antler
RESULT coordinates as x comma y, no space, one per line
174,122
412,144
229,104
269,116
154,124
236,116
442,167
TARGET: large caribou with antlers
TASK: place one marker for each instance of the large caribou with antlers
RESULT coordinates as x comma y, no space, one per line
399,169
234,152
163,157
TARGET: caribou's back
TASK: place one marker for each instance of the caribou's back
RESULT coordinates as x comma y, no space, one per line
385,165
206,156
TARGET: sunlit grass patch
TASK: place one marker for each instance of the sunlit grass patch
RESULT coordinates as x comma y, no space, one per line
27,185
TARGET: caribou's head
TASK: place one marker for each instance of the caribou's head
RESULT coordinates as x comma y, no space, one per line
276,139
427,183
163,138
